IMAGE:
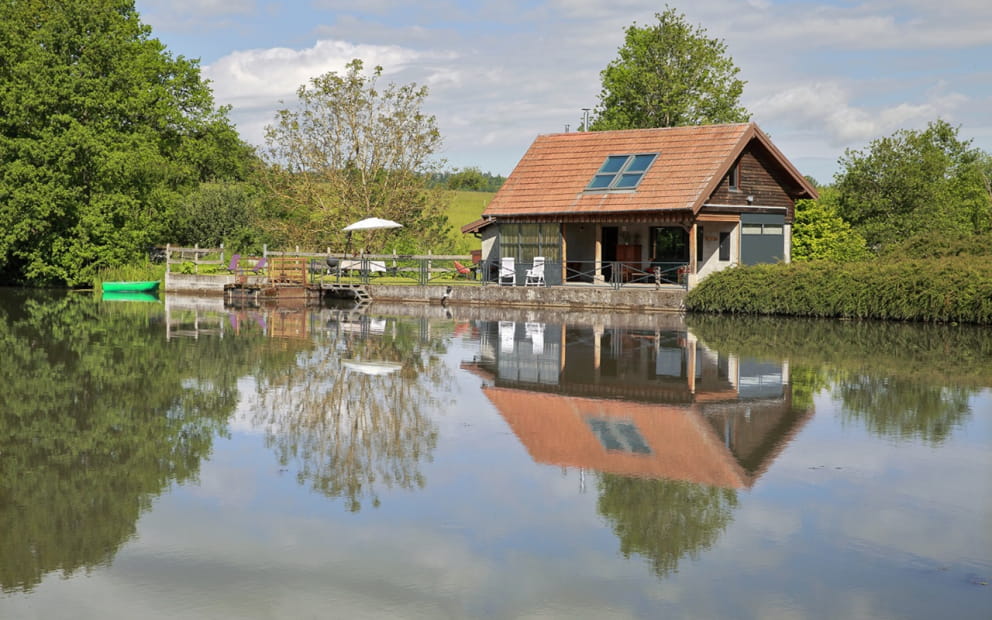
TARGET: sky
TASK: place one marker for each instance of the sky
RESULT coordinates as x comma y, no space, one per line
822,76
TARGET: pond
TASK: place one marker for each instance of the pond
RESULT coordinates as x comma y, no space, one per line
180,459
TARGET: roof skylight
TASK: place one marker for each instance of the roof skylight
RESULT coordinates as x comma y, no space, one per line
621,171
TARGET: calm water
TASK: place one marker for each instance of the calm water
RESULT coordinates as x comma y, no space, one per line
174,460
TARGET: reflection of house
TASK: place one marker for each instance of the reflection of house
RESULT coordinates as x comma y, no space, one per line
703,197
639,403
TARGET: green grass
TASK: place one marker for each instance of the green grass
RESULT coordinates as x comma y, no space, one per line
465,208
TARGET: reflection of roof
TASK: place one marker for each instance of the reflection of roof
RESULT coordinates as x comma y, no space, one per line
640,439
554,173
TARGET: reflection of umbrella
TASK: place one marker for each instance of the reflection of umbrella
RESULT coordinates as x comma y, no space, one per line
369,223
372,368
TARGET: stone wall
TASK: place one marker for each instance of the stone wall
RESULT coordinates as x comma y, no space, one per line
641,299
645,299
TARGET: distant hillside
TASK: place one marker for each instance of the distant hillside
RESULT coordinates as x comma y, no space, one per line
465,208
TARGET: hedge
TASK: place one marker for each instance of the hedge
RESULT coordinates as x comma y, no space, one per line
939,290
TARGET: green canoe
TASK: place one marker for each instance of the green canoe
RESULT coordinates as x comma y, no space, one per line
129,296
146,286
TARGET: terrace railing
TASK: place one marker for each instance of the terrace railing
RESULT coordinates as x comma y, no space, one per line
326,267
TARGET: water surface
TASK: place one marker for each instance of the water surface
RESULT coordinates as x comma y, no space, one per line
180,459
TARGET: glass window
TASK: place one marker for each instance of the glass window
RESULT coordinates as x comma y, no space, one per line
733,177
614,163
627,181
640,163
670,245
618,435
601,181
525,241
751,229
773,229
724,246
621,171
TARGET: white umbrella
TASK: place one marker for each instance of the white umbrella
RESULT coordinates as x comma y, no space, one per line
372,367
371,223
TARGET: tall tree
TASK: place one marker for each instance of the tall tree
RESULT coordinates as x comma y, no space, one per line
915,182
664,520
819,233
102,132
669,74
348,151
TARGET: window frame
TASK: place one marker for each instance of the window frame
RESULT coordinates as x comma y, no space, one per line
620,175
734,177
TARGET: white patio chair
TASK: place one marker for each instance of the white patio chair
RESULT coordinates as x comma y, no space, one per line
535,331
507,333
507,271
535,275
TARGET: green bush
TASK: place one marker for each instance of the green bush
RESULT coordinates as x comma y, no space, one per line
948,289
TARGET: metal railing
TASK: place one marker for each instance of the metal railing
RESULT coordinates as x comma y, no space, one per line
322,267
612,274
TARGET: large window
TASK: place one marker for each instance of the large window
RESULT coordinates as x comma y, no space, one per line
618,435
669,244
525,241
622,171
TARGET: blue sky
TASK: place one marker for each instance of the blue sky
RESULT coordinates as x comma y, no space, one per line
822,76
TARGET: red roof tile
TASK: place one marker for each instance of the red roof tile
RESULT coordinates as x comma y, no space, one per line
552,176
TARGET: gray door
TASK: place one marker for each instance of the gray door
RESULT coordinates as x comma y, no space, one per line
762,238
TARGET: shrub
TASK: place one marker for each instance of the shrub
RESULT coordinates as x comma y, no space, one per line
948,289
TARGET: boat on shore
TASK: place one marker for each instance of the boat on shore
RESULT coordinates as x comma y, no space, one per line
130,296
137,286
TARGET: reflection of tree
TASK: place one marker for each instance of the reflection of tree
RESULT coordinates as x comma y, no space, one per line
95,420
903,408
901,380
350,433
664,520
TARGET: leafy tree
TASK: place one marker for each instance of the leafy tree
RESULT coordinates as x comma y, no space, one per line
896,379
102,133
664,520
349,151
819,233
98,416
470,179
227,212
666,75
903,409
351,435
913,182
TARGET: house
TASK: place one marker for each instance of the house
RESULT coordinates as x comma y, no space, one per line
624,206
633,402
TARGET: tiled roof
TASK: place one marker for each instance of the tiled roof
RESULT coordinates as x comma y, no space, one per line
552,176
683,446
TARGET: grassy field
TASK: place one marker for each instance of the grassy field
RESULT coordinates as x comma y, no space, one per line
465,208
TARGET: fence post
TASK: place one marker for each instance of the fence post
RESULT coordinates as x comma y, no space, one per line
196,258
168,255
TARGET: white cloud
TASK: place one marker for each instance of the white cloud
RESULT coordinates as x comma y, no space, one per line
821,77
827,106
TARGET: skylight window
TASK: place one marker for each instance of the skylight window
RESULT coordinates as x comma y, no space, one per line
622,171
